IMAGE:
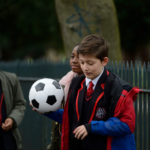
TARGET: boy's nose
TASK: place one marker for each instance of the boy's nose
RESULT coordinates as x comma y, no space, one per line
85,68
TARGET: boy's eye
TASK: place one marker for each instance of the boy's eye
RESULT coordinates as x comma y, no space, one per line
90,63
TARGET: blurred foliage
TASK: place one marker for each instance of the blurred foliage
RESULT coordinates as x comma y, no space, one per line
134,23
28,28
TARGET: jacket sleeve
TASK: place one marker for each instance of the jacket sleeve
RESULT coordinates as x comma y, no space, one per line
56,115
112,127
17,112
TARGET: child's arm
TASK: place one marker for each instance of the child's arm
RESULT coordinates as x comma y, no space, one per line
56,115
112,127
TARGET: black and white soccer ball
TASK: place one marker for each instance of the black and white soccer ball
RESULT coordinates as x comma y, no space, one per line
46,95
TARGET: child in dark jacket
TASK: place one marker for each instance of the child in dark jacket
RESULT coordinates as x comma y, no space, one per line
99,112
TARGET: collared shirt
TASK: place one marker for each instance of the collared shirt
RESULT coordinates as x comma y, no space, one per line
87,80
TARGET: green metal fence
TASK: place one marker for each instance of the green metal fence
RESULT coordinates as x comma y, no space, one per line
36,129
138,75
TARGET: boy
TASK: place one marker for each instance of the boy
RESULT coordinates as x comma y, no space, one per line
98,115
99,112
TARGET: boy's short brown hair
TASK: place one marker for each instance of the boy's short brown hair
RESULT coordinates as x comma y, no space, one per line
94,45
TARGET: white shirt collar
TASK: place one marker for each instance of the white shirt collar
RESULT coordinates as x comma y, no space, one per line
87,80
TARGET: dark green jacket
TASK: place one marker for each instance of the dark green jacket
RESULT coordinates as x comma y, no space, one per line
15,102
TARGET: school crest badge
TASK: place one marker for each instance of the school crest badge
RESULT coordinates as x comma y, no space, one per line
100,113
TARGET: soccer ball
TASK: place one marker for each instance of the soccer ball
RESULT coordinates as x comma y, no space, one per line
46,95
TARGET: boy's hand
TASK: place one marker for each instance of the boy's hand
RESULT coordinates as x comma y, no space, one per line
34,109
7,125
80,132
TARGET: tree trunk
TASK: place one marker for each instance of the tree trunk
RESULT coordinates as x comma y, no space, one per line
79,18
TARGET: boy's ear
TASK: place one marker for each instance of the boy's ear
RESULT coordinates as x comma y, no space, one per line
105,61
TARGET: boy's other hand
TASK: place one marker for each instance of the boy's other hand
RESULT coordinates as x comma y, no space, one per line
80,132
35,109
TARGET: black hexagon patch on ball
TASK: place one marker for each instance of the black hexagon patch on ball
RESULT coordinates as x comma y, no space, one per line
51,100
56,84
39,87
35,103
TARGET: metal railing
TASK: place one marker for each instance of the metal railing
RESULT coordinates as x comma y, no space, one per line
136,74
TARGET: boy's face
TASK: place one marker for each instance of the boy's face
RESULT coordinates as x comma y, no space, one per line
92,66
